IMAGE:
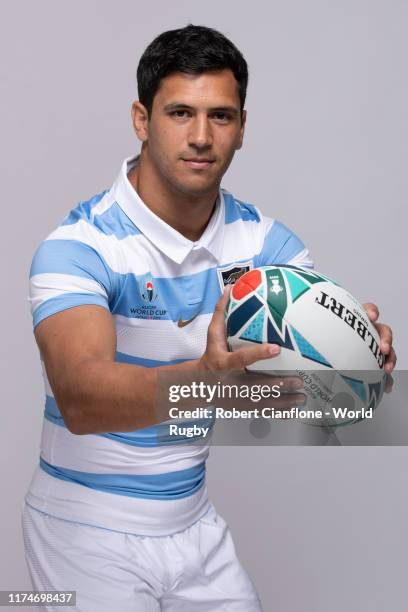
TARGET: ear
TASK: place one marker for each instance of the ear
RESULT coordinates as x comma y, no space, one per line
140,120
242,130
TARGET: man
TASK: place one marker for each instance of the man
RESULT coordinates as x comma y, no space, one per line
126,287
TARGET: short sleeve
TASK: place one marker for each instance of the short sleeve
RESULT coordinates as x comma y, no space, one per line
282,247
64,274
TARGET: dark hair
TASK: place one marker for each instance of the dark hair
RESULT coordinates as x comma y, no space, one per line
193,50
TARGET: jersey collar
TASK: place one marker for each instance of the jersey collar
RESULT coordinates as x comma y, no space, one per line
163,236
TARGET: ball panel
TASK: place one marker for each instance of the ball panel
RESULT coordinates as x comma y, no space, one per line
277,337
241,315
276,292
297,286
247,283
254,332
307,350
357,386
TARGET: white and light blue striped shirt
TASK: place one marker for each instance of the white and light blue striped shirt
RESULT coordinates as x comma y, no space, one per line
114,252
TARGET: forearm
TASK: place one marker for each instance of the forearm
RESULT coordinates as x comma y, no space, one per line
105,396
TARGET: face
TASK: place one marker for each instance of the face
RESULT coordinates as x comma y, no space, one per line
194,129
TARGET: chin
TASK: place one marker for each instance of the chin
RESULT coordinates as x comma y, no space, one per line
196,187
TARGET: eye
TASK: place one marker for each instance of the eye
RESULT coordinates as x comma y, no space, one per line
221,117
179,114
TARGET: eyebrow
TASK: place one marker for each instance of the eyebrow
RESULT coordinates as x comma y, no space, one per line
216,109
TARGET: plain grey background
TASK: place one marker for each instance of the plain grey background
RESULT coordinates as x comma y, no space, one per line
319,529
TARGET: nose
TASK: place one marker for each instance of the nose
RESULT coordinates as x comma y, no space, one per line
200,135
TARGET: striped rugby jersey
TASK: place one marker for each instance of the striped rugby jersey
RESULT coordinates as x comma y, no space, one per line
113,252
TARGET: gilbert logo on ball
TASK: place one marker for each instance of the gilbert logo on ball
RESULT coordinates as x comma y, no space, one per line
322,329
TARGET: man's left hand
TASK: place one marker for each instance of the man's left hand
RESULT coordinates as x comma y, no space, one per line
385,333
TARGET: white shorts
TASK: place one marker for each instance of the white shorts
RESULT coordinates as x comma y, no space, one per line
195,570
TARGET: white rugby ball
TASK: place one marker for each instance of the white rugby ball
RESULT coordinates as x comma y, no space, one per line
324,333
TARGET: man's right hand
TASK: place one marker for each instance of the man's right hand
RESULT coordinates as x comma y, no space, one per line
232,365
217,357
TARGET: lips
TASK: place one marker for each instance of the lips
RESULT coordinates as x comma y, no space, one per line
198,162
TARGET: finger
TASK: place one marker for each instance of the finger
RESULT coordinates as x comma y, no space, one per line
285,383
388,384
222,302
390,361
220,306
385,333
216,329
246,356
263,377
372,311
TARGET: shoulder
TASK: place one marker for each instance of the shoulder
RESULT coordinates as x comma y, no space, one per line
278,231
238,210
250,216
282,246
76,263
101,213
276,243
85,242
94,229
85,210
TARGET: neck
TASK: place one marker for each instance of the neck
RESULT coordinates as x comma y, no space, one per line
188,214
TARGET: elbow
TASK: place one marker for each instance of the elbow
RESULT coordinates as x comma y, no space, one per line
75,426
73,415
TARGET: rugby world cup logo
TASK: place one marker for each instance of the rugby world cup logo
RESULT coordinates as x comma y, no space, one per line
149,294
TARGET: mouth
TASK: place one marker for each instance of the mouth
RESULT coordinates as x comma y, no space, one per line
198,163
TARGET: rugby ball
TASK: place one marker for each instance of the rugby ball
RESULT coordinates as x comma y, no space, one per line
323,331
